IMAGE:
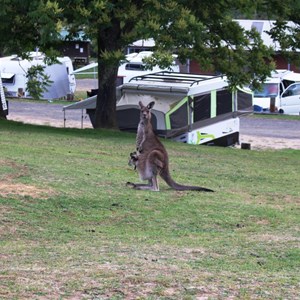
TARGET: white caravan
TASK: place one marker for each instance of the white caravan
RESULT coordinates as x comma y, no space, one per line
269,97
134,66
14,69
131,67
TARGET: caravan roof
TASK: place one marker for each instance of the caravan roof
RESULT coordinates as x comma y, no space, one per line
173,82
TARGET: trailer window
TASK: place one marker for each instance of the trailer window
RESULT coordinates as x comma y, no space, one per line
224,102
202,107
179,118
244,101
135,67
8,78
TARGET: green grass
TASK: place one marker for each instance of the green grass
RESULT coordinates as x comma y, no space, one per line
71,229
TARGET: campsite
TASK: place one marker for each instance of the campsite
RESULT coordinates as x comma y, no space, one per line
70,229
71,225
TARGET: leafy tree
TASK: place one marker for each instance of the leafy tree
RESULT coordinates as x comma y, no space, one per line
28,24
203,30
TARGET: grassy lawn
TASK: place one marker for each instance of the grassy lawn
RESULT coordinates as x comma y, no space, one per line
71,229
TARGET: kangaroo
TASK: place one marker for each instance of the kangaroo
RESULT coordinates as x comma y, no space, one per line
152,157
141,131
133,157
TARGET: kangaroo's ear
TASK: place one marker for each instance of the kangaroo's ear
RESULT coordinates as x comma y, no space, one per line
150,105
141,104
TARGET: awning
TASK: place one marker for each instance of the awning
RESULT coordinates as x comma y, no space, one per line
89,103
7,75
87,67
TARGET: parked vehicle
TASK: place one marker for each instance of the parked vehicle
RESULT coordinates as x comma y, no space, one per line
134,66
290,100
190,108
131,67
269,97
14,69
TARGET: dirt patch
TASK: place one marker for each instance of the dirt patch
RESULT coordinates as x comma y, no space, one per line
276,238
259,143
10,188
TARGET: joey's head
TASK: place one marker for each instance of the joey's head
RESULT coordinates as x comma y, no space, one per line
145,113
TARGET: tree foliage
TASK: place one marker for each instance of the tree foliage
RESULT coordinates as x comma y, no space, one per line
27,25
37,81
201,30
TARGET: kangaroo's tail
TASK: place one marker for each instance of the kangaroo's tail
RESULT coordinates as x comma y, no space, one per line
165,175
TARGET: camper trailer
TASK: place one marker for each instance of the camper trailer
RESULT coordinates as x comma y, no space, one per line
14,69
190,108
271,97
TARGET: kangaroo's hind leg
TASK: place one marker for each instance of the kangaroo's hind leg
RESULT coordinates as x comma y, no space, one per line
151,186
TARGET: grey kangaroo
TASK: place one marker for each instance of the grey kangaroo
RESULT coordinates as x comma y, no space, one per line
152,158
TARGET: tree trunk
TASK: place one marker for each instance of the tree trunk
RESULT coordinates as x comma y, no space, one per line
2,114
105,116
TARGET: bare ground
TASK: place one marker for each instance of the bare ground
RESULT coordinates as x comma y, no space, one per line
261,142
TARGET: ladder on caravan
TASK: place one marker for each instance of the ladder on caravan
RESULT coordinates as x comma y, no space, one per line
2,96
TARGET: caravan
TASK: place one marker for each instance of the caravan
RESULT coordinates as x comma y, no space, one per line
132,66
14,69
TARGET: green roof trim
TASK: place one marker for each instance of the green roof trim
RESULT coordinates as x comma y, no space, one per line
213,104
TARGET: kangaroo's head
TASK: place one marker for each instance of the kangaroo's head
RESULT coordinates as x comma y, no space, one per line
145,113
